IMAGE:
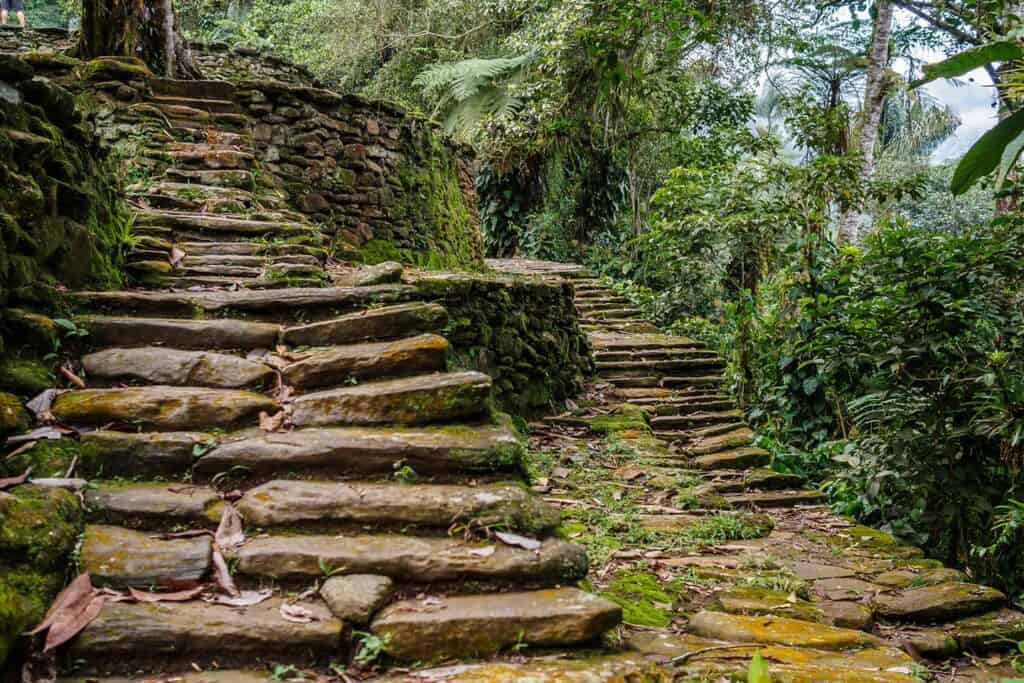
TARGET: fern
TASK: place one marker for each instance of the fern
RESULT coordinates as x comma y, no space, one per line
473,90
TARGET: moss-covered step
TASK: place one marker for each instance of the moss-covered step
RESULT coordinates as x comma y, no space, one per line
152,504
177,367
201,155
167,194
674,365
247,260
434,629
331,366
173,636
184,116
220,270
709,442
219,178
205,222
292,303
161,407
658,354
776,499
616,341
383,323
937,603
410,559
773,630
117,556
136,453
218,333
412,400
350,451
198,89
324,503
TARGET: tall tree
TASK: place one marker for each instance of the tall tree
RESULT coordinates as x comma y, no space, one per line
146,29
871,113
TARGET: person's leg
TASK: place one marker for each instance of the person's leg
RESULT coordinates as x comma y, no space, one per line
21,19
19,8
4,6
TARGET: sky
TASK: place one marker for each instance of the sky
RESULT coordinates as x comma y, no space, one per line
972,101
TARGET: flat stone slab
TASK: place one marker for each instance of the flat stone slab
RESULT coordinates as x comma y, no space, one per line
291,502
732,458
413,400
776,499
365,450
223,333
217,223
141,452
989,631
355,598
937,603
373,324
163,407
479,625
146,504
846,588
811,571
336,365
158,365
758,601
600,669
410,558
174,633
769,630
848,614
117,556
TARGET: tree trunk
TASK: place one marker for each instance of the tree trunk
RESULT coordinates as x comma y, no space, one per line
136,28
871,115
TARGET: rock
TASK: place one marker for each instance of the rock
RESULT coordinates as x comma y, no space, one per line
117,556
158,365
590,669
178,634
811,571
776,499
733,458
375,324
141,505
845,588
163,407
357,597
759,601
409,558
365,450
929,642
337,365
183,334
24,376
769,630
216,223
479,625
900,578
382,273
416,400
989,631
286,502
13,416
143,453
215,676
32,329
846,614
14,70
936,603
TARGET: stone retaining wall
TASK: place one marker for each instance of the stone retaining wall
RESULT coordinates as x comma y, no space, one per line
523,332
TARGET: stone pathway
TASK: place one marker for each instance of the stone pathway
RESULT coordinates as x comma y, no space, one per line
247,422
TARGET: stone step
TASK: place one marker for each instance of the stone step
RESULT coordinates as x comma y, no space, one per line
242,138
221,178
612,341
615,323
355,451
654,354
272,250
413,400
373,324
631,381
293,303
774,630
212,282
327,505
152,505
753,480
197,89
207,104
203,156
336,365
688,382
620,328
619,313
176,636
135,453
695,419
176,367
121,557
249,260
410,559
184,116
586,307
161,407
205,198
221,270
732,458
215,223
928,604
432,629
670,408
776,499
698,435
661,366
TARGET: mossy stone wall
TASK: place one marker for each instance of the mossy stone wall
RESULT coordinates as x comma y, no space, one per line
523,332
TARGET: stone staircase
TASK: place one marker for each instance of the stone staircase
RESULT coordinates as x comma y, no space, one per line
377,491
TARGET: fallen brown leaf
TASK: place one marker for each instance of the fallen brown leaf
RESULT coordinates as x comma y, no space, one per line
273,423
11,482
517,540
295,613
177,596
222,574
229,531
71,611
72,377
244,599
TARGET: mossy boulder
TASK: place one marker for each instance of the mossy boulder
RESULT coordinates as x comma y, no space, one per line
645,601
24,376
13,416
39,529
29,328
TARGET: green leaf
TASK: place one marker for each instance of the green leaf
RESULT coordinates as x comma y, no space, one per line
1009,158
983,157
968,60
758,671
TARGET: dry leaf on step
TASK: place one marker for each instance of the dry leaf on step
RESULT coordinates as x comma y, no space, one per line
296,613
177,256
517,540
40,405
11,482
244,599
176,596
273,423
482,552
72,377
75,607
229,531
222,575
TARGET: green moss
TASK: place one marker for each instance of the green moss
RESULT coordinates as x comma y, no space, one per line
24,376
52,457
40,526
25,595
13,416
644,601
623,417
